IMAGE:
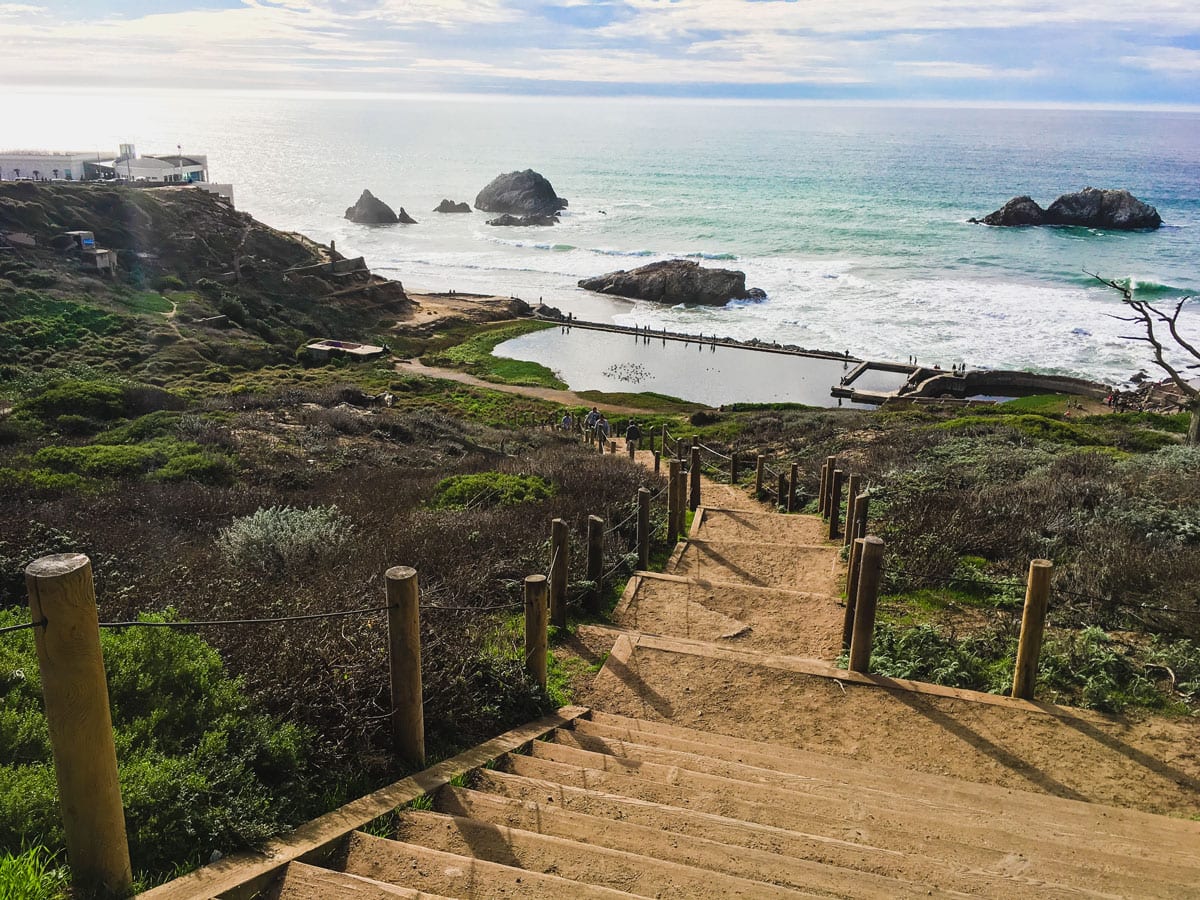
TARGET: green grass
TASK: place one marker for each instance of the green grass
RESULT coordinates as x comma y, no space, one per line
647,400
474,355
32,875
148,302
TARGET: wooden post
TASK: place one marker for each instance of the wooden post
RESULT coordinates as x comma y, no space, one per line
629,448
663,439
781,490
643,528
694,472
535,627
759,465
62,595
869,572
1033,624
830,466
851,592
404,663
835,504
792,482
595,560
657,462
672,502
822,484
851,508
861,510
560,546
681,492
733,466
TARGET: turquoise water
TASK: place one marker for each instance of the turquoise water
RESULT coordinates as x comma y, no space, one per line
853,219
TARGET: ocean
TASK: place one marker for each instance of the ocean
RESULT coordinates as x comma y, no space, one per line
853,219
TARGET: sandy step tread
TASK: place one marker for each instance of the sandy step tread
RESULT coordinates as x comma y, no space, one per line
913,862
979,842
581,861
303,882
888,811
803,568
838,776
454,875
737,859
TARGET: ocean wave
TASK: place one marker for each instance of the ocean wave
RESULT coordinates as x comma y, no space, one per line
700,254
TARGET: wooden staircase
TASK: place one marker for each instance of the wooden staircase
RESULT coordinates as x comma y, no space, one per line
609,806
656,789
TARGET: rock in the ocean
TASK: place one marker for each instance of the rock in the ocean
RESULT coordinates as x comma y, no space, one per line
1103,209
1017,211
676,281
523,220
449,206
404,218
1091,208
370,210
520,194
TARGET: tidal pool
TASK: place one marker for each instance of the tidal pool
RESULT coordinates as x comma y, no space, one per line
700,373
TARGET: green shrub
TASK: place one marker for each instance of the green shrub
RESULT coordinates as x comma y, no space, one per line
169,283
1089,665
277,537
101,460
489,489
43,480
202,467
95,399
200,770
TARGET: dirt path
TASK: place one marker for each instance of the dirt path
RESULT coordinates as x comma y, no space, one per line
563,398
738,636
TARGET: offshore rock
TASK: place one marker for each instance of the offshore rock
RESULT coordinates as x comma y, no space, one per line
523,220
404,218
1094,208
1089,208
1017,211
449,206
520,194
676,281
370,210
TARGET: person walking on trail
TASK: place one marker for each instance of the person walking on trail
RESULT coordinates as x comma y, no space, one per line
602,430
633,434
567,423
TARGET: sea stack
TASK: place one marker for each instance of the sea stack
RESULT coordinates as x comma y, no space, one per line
506,219
676,281
1089,208
520,194
370,210
449,206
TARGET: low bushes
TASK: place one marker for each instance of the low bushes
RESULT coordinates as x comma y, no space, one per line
489,489
200,768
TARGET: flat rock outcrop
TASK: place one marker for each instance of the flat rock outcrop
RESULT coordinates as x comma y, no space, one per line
370,210
676,281
449,206
520,194
523,220
1118,210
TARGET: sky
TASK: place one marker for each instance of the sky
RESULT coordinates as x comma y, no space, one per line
1067,52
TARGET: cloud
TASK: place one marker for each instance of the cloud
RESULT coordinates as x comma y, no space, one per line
948,49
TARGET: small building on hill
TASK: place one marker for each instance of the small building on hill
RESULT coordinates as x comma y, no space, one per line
324,350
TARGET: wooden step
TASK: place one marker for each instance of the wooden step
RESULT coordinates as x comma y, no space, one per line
971,871
741,858
304,882
455,875
802,568
753,524
976,846
755,618
841,778
582,859
888,811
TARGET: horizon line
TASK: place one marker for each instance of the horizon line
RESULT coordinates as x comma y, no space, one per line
462,96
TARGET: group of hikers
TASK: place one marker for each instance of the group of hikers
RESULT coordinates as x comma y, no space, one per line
595,427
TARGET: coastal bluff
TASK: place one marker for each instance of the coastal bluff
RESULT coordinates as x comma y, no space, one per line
1117,210
675,281
524,193
370,210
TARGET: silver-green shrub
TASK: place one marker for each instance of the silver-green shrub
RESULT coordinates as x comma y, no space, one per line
274,538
